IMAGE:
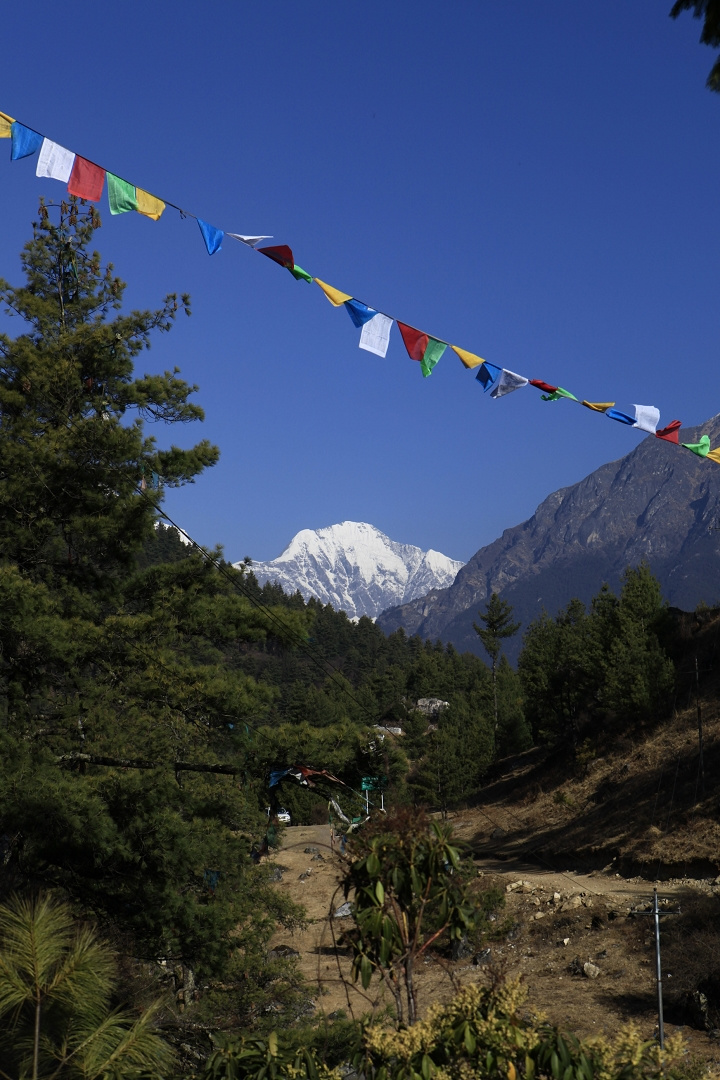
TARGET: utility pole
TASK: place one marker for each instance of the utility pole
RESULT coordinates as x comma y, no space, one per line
658,969
655,912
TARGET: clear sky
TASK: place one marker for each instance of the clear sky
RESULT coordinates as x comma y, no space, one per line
537,183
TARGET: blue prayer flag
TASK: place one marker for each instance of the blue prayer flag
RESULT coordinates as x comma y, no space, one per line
621,417
213,237
359,313
25,141
487,375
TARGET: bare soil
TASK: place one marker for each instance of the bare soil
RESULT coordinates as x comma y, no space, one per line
556,918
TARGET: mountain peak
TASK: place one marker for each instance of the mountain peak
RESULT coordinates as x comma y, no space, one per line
357,568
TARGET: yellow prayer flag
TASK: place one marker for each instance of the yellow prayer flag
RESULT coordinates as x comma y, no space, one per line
598,406
334,295
470,360
714,455
6,122
148,205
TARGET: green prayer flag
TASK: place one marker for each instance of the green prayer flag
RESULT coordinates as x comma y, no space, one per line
702,448
298,273
433,351
121,195
559,393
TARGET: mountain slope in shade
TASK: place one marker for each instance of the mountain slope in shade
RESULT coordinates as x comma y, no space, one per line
659,503
356,568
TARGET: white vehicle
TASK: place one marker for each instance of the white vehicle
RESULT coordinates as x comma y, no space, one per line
283,816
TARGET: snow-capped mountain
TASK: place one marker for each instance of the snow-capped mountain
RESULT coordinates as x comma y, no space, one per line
356,568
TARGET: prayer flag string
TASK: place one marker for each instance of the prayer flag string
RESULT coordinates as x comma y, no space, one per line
85,179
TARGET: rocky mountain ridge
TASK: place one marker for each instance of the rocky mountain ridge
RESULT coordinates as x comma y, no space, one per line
658,503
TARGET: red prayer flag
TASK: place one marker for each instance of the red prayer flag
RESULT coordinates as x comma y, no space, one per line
86,179
670,433
415,341
281,254
543,386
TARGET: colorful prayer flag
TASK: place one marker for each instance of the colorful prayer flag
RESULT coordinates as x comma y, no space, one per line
86,179
558,393
300,275
670,433
213,237
251,241
546,386
598,406
508,382
359,313
55,161
487,375
281,254
432,354
25,141
415,341
647,418
149,205
6,123
375,335
422,347
470,360
335,296
121,195
702,448
621,417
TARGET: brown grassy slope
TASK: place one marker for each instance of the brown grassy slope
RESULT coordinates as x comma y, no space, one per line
632,796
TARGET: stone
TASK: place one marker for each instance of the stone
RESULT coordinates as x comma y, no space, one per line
282,952
514,886
318,858
311,850
591,971
275,874
482,958
461,949
305,874
344,911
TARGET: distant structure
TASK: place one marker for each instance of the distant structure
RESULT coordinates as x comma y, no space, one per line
431,706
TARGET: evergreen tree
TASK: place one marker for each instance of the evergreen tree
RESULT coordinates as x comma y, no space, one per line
497,627
56,986
127,773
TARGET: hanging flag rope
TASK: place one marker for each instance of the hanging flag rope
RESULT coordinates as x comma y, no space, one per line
85,179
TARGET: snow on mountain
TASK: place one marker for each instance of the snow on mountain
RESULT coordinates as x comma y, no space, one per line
356,568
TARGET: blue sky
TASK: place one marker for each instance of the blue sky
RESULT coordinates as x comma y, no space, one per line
536,183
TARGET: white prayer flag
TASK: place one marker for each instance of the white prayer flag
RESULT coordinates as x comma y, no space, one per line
508,382
55,161
647,418
375,335
251,241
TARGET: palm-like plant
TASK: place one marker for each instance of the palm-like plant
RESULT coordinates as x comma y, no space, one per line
56,981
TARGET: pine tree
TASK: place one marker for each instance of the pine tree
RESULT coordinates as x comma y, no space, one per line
126,769
73,451
56,983
497,627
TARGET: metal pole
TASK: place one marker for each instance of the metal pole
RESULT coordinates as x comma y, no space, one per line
658,970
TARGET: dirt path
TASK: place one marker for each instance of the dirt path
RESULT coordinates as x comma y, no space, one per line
551,919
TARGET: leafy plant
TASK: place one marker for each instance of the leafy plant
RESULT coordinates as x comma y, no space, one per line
408,893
